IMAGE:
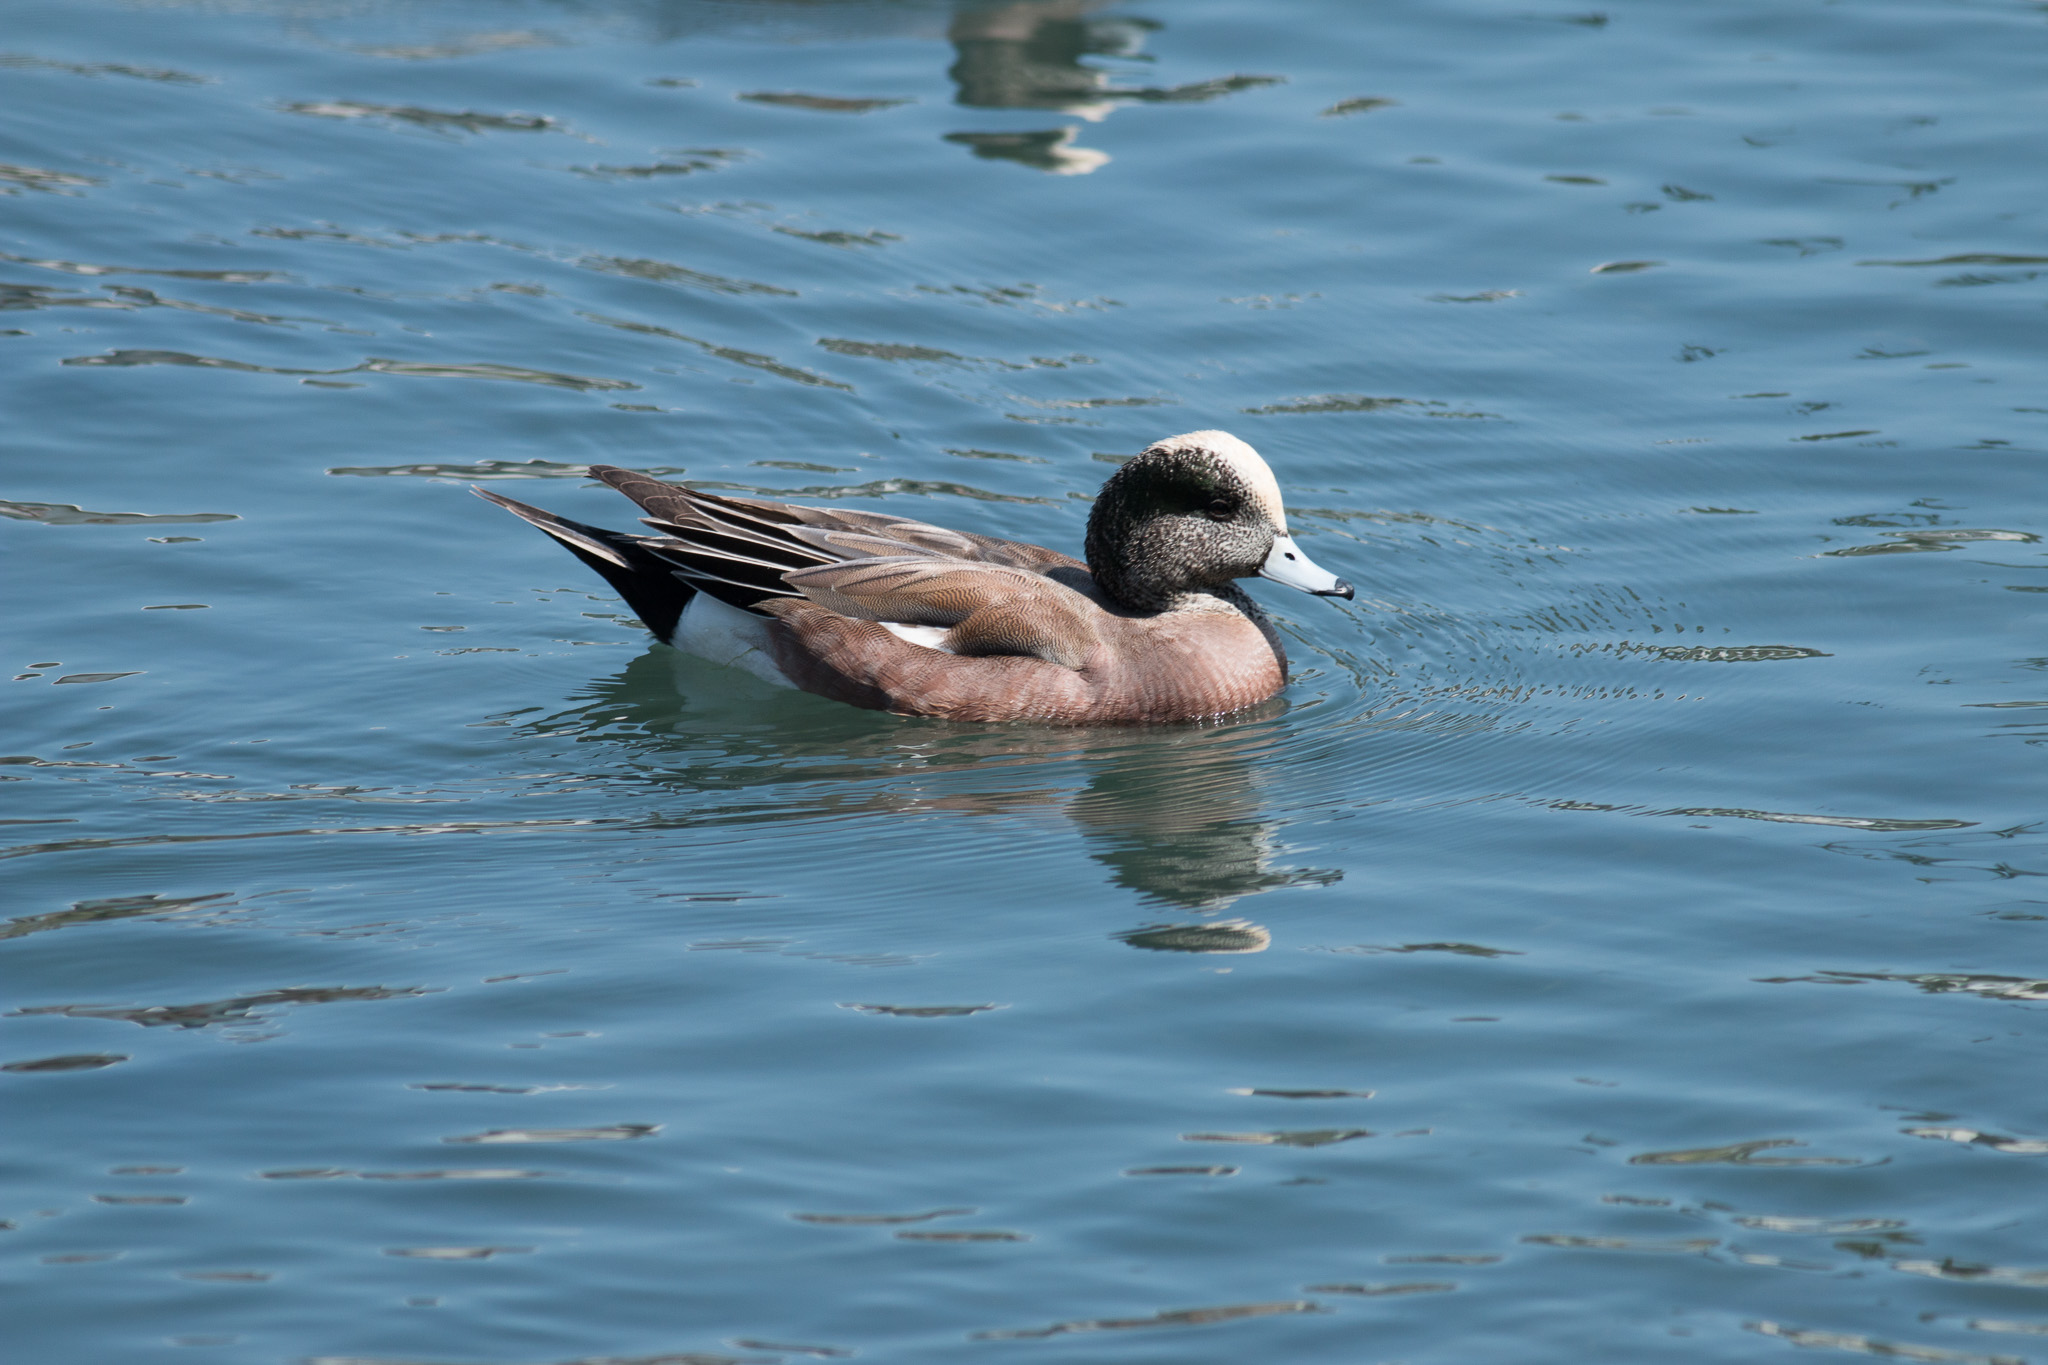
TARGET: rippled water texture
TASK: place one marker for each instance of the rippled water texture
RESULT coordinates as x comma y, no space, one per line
1623,942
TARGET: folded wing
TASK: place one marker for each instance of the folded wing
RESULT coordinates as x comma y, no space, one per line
992,609
993,597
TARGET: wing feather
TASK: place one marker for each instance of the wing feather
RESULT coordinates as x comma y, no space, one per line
991,609
993,597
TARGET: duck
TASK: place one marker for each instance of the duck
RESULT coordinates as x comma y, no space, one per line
897,615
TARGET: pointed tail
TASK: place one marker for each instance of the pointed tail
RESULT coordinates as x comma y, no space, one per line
643,578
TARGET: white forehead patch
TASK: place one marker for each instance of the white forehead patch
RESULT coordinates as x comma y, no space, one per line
1242,461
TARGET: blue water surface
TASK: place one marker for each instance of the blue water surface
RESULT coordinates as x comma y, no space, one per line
1623,941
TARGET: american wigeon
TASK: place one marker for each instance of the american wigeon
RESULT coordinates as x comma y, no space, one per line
897,615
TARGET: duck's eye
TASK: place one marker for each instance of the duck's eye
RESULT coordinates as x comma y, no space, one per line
1219,510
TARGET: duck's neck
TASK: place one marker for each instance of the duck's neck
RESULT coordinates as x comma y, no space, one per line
1128,558
1134,571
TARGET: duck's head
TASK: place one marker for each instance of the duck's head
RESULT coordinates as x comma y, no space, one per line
1190,514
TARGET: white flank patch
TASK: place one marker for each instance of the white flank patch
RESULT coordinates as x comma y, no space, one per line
1245,463
931,637
714,630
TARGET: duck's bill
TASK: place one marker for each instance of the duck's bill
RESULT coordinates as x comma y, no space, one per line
1287,564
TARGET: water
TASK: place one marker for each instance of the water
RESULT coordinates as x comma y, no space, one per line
1656,839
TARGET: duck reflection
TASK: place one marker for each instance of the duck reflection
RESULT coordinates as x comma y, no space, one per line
1009,54
1173,813
1052,150
1027,55
1175,816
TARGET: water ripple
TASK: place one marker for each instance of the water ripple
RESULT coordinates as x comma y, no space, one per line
1739,1154
1874,1346
14,179
438,120
662,272
1180,1317
70,1061
371,365
239,1009
84,268
21,61
751,359
437,827
71,514
616,1132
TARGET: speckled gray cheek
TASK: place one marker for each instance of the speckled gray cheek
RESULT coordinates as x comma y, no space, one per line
1242,545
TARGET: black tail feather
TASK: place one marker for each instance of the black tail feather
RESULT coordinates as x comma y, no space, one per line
646,580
